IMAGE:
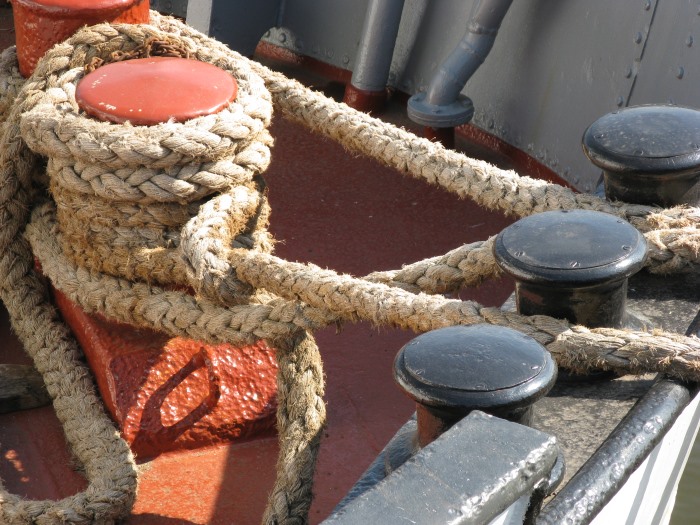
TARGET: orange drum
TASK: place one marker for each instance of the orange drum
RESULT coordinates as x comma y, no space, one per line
41,24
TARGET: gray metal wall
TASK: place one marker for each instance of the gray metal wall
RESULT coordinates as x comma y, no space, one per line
556,65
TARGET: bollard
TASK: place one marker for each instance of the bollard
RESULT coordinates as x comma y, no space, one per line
451,371
41,24
648,154
572,265
169,393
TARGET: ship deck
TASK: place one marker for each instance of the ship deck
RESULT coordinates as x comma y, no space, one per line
333,209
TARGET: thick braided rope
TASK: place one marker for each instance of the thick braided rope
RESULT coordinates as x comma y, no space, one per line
10,80
479,181
108,163
301,416
483,183
472,264
328,298
272,287
96,444
107,460
46,130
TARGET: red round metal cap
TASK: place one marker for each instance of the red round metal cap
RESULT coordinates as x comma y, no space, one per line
67,6
149,91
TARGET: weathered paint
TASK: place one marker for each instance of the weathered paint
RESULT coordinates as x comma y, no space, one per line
363,100
41,24
173,393
149,91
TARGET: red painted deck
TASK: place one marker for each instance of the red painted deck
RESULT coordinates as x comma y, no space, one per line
337,211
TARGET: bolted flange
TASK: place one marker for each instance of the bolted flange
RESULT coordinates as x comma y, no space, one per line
572,265
648,154
449,115
451,371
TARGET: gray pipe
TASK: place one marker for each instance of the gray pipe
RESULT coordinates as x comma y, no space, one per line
371,71
466,58
442,105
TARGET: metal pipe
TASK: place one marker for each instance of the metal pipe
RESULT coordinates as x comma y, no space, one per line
442,106
367,89
471,52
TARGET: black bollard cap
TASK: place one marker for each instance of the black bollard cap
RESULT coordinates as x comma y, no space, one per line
483,367
570,248
646,139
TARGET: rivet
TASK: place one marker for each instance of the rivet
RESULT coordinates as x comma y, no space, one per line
689,41
346,59
519,254
638,38
574,264
626,248
620,101
680,73
267,34
628,72
647,5
282,38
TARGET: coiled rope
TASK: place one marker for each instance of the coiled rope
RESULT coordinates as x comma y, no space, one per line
182,204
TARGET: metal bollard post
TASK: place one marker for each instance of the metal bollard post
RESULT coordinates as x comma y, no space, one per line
572,265
648,154
41,24
451,371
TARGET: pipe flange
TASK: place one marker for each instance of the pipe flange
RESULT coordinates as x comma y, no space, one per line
449,115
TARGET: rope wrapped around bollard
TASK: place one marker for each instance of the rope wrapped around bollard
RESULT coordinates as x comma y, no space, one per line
182,204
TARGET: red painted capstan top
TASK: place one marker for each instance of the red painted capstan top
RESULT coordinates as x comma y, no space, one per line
149,91
41,24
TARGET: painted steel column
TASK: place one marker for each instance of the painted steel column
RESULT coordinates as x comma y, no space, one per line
367,90
442,106
471,52
199,15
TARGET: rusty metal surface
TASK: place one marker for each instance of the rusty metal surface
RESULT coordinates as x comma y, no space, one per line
172,393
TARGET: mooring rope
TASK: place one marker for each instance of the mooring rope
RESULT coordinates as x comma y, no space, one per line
183,204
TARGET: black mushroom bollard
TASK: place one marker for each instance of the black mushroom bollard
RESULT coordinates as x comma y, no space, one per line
572,265
648,154
451,371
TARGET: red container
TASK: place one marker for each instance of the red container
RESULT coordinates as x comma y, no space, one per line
41,24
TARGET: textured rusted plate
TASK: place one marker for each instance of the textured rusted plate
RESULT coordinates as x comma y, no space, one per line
173,393
41,24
